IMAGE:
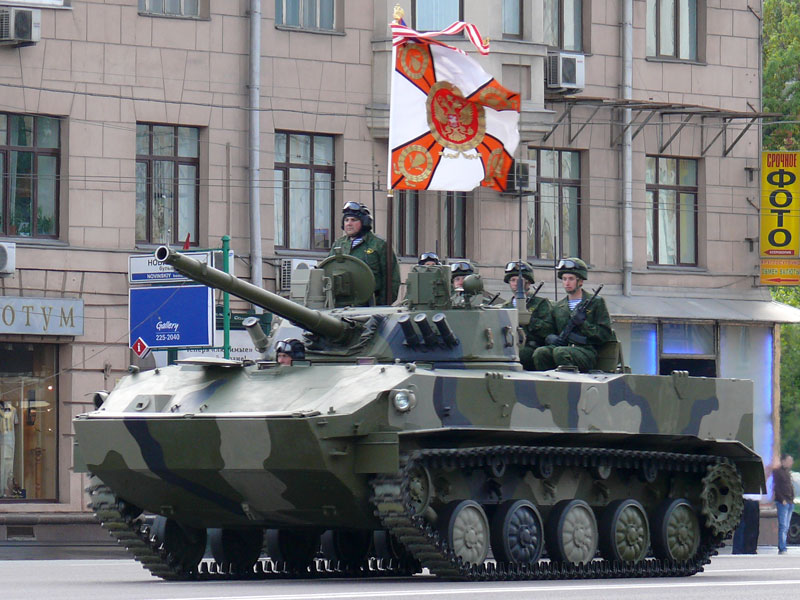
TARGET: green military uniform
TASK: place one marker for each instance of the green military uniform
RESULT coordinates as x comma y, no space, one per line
372,250
596,329
540,326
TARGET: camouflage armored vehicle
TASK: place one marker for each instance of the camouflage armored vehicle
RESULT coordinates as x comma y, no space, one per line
411,438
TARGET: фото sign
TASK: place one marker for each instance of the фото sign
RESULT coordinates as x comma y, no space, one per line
780,205
171,316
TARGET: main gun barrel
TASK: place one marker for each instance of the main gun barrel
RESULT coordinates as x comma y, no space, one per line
327,326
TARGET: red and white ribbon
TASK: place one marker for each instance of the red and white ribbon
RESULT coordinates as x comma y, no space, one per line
402,33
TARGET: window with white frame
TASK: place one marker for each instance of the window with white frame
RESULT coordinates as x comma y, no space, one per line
554,208
304,184
563,24
306,14
671,188
30,157
435,15
672,29
167,183
171,8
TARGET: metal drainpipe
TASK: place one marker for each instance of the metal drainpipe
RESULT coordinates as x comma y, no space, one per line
627,150
255,146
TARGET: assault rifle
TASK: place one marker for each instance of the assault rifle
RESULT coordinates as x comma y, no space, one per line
576,320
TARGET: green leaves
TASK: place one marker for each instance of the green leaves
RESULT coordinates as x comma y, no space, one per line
781,77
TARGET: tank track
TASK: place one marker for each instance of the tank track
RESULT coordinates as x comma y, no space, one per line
393,507
135,533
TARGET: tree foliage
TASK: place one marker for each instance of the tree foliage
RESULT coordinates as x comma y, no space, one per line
781,77
790,374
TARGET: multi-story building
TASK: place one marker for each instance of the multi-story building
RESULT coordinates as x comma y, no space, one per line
127,124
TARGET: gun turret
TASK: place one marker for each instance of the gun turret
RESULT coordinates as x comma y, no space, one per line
332,328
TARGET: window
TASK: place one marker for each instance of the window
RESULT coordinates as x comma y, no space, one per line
455,221
304,177
671,185
173,8
306,14
406,224
688,347
435,15
672,28
29,174
28,421
512,18
554,208
43,3
563,24
167,200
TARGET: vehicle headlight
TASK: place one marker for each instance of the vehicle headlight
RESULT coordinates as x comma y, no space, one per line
403,400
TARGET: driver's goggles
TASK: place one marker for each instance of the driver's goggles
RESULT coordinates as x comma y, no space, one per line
566,264
460,266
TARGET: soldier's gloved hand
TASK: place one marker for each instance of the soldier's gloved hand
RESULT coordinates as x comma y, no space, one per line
579,317
555,340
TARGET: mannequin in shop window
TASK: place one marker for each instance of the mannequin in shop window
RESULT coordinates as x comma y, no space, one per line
8,419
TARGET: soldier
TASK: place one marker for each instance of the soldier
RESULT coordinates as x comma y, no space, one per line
541,323
429,259
458,271
359,241
584,324
289,350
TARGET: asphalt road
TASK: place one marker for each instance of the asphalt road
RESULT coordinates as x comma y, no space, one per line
763,576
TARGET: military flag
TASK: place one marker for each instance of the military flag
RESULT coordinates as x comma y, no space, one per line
452,126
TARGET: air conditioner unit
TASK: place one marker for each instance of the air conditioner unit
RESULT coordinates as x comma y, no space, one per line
290,264
8,251
20,26
565,71
521,177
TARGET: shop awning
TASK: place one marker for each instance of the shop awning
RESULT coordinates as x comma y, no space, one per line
711,309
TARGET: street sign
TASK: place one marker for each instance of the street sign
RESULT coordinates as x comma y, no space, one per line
776,271
146,269
139,348
171,316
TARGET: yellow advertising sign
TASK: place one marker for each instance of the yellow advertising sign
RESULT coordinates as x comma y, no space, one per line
780,272
780,205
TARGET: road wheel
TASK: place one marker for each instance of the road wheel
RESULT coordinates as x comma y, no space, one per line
348,547
236,549
182,546
465,527
675,530
571,532
516,533
793,537
295,550
624,532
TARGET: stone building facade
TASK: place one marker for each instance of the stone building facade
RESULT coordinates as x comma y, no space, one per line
127,125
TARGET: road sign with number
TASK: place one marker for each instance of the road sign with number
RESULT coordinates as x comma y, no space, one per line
171,316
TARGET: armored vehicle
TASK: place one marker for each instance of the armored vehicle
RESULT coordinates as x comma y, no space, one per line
410,438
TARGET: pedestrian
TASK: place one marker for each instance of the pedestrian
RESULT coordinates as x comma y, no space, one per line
784,497
541,324
581,319
359,241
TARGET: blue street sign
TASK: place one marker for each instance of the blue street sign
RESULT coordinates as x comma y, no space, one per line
171,316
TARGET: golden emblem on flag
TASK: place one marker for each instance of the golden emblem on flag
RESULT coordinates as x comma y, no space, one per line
456,123
415,163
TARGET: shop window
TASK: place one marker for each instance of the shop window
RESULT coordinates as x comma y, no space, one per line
672,29
171,8
554,208
28,418
30,156
304,193
435,15
688,347
167,184
455,220
406,225
640,346
671,207
306,14
563,24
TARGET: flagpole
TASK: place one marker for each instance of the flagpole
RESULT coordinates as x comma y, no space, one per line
397,16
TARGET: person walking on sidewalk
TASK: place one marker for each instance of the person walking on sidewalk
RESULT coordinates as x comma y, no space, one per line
784,497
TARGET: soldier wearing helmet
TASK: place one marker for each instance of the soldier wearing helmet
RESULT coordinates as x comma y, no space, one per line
578,343
541,323
458,272
429,259
359,241
289,350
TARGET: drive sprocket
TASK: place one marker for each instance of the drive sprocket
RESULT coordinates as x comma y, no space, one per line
721,497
